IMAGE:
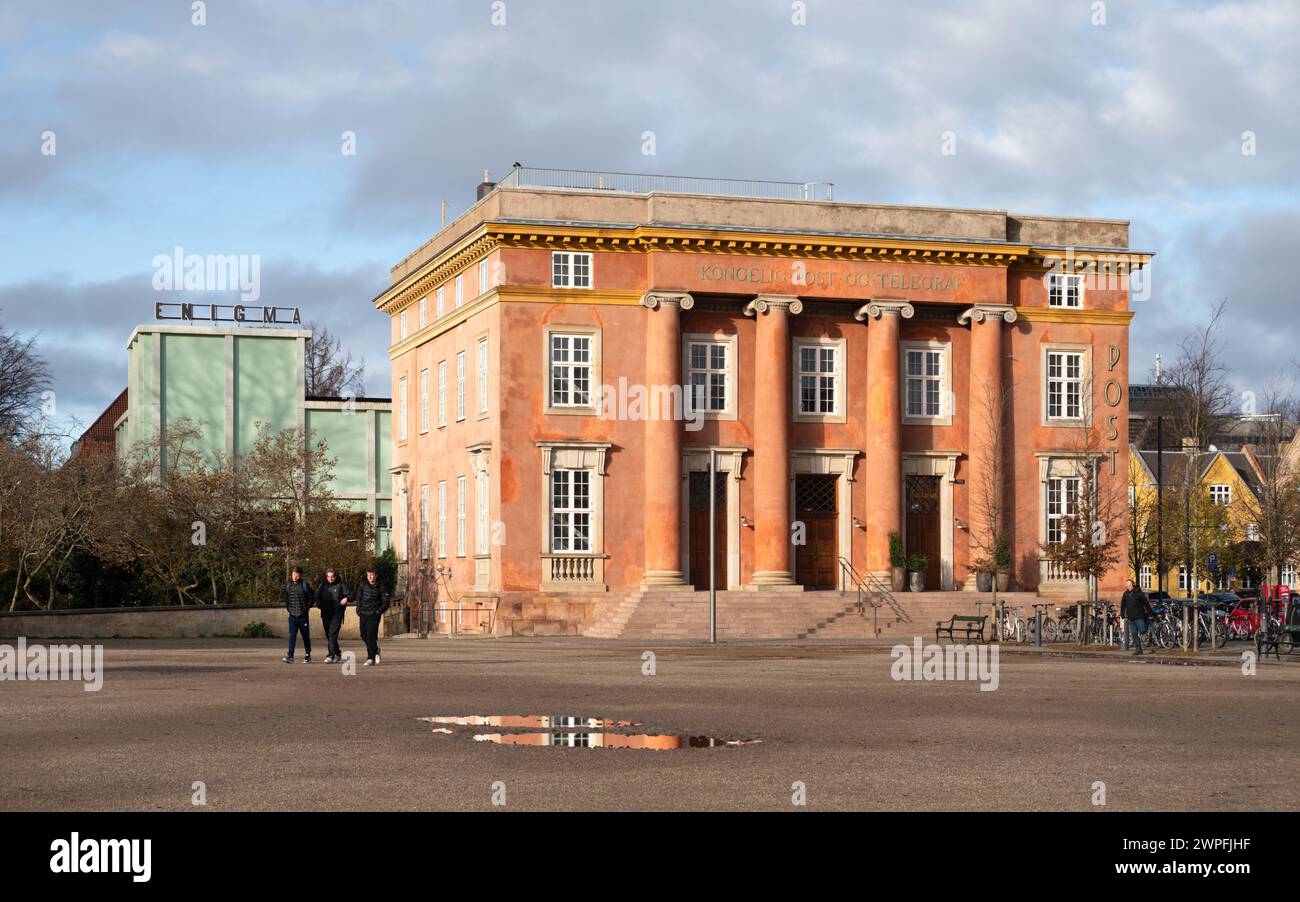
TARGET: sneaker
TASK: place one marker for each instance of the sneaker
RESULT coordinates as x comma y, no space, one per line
376,659
307,660
369,663
286,659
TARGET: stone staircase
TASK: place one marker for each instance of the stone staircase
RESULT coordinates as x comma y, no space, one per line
787,615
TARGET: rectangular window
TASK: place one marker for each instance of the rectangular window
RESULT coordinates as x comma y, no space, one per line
424,311
440,308
424,400
570,511
925,379
1288,575
424,522
481,514
1144,579
442,393
1252,532
1221,494
570,270
460,291
707,373
442,519
460,386
1062,503
401,409
1065,385
570,370
483,377
482,277
1065,290
818,379
1182,577
460,516
401,323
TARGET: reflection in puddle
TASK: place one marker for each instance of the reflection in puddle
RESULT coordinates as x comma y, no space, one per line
610,740
561,731
529,721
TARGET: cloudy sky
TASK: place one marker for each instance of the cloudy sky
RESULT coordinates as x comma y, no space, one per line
226,138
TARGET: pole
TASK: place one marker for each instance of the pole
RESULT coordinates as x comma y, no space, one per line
713,550
1160,503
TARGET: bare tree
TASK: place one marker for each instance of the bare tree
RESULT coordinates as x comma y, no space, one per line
1203,398
330,370
24,376
1143,510
1275,507
987,491
1092,528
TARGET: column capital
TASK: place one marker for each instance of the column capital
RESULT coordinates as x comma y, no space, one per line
877,309
766,302
994,312
656,299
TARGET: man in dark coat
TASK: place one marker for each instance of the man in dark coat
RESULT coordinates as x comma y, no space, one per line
371,601
332,599
298,601
1136,609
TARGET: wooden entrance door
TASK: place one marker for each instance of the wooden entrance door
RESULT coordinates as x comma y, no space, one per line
817,560
922,514
698,495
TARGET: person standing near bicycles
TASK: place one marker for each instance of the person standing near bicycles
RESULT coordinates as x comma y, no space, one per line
1136,610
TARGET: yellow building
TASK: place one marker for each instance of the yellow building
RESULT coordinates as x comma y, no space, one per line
1218,519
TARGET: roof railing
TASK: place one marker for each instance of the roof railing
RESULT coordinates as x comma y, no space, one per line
642,183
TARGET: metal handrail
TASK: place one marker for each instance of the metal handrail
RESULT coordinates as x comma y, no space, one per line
643,183
859,583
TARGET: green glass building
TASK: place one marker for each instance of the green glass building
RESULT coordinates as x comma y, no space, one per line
230,380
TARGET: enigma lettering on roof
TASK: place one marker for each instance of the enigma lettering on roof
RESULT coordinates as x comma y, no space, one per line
228,313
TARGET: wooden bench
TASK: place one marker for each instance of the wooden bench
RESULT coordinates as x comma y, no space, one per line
971,627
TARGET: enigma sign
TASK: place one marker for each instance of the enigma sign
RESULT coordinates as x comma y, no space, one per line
216,313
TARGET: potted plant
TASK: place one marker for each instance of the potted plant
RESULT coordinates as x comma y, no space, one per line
984,571
916,566
1002,561
897,562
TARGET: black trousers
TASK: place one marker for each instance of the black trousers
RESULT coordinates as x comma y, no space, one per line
370,634
332,620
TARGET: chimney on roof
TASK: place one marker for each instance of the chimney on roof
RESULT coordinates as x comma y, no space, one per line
485,187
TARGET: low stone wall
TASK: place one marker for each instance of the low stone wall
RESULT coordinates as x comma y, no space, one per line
160,623
550,614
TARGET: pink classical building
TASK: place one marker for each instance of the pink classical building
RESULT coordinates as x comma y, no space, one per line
566,362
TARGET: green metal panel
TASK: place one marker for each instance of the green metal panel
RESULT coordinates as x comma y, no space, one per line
345,435
383,451
194,386
267,386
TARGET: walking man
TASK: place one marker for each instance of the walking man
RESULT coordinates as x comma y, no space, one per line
297,601
332,599
371,602
1136,609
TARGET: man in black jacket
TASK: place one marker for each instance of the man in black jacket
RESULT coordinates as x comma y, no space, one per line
332,599
371,602
1136,609
297,601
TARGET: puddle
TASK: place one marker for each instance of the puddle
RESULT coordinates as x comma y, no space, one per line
557,731
529,721
651,741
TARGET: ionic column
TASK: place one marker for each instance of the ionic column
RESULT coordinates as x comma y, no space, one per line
772,414
663,441
884,427
987,424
